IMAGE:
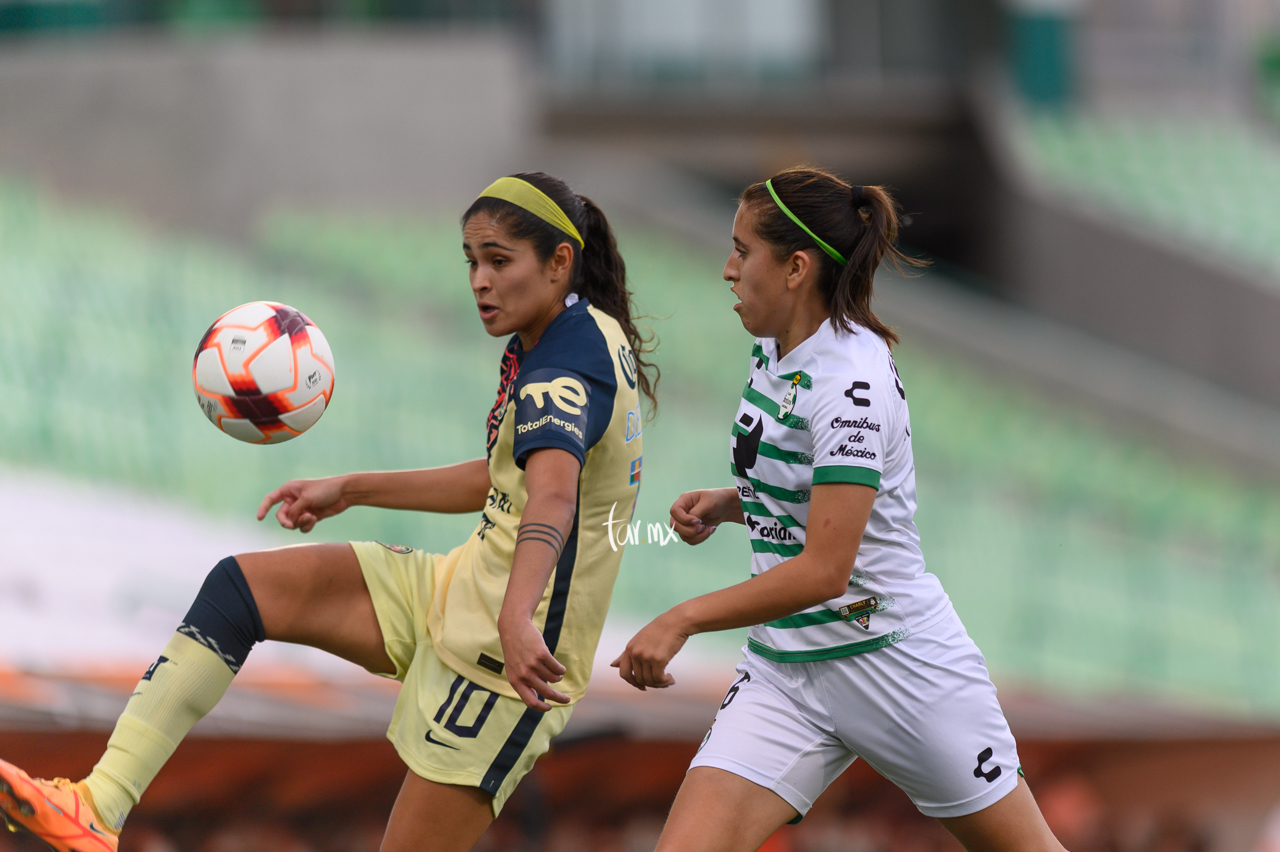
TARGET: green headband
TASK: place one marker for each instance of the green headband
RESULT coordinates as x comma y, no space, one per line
526,196
839,258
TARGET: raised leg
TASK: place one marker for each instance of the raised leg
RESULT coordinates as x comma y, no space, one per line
309,594
315,595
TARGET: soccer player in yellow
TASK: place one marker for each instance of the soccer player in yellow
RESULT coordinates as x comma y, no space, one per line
493,640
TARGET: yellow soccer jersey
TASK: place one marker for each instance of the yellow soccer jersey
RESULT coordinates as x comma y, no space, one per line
575,390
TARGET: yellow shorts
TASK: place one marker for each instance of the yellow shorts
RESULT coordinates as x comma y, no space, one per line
446,728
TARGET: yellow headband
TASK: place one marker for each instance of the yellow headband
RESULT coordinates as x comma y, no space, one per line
525,195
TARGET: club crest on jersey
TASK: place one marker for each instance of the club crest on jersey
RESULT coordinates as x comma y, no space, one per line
789,401
635,471
860,612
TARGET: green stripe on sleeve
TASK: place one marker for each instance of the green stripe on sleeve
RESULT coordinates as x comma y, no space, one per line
843,473
761,546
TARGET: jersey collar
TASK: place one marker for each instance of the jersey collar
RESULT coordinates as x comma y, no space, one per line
578,307
796,358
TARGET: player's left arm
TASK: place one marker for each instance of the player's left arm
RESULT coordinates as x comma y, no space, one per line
838,514
551,480
850,417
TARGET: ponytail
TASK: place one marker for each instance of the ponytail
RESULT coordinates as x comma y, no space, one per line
599,273
602,280
859,222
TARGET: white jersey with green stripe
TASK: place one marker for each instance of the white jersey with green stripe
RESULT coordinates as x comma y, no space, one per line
833,410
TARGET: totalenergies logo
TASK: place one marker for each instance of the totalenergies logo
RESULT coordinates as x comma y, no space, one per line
566,393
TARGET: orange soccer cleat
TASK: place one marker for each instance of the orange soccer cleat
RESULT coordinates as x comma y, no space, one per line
54,811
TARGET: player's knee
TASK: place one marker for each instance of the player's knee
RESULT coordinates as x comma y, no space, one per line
224,617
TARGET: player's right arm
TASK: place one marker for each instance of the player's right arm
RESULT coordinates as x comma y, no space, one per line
451,489
696,514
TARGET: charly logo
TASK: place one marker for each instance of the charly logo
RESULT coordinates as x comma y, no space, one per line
624,532
627,360
852,393
988,775
567,394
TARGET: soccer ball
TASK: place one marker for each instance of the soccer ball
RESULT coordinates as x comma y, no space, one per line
263,373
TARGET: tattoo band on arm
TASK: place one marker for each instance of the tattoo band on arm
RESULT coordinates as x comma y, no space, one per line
545,533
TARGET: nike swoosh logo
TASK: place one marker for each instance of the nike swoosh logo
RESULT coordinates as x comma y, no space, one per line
94,828
433,741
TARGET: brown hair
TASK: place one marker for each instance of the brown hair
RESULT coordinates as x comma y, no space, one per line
860,222
599,273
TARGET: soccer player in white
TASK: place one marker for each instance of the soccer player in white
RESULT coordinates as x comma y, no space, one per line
854,648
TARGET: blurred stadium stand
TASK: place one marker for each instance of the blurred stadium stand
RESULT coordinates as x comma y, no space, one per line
1091,367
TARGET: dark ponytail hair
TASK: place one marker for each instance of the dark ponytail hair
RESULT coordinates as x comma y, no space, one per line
860,222
599,273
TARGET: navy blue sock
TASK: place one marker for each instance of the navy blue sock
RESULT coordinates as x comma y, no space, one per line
224,617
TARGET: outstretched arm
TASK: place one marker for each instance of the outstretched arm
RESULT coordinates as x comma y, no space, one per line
838,514
451,489
696,514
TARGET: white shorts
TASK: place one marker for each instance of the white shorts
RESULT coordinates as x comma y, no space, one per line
922,712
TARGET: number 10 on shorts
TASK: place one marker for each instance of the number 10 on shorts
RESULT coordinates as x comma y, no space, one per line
451,724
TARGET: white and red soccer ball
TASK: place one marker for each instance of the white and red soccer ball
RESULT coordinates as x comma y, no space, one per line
263,373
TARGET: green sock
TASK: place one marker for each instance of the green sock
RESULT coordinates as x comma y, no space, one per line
184,684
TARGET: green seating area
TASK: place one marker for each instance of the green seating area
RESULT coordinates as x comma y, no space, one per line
61,18
1081,558
1209,183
